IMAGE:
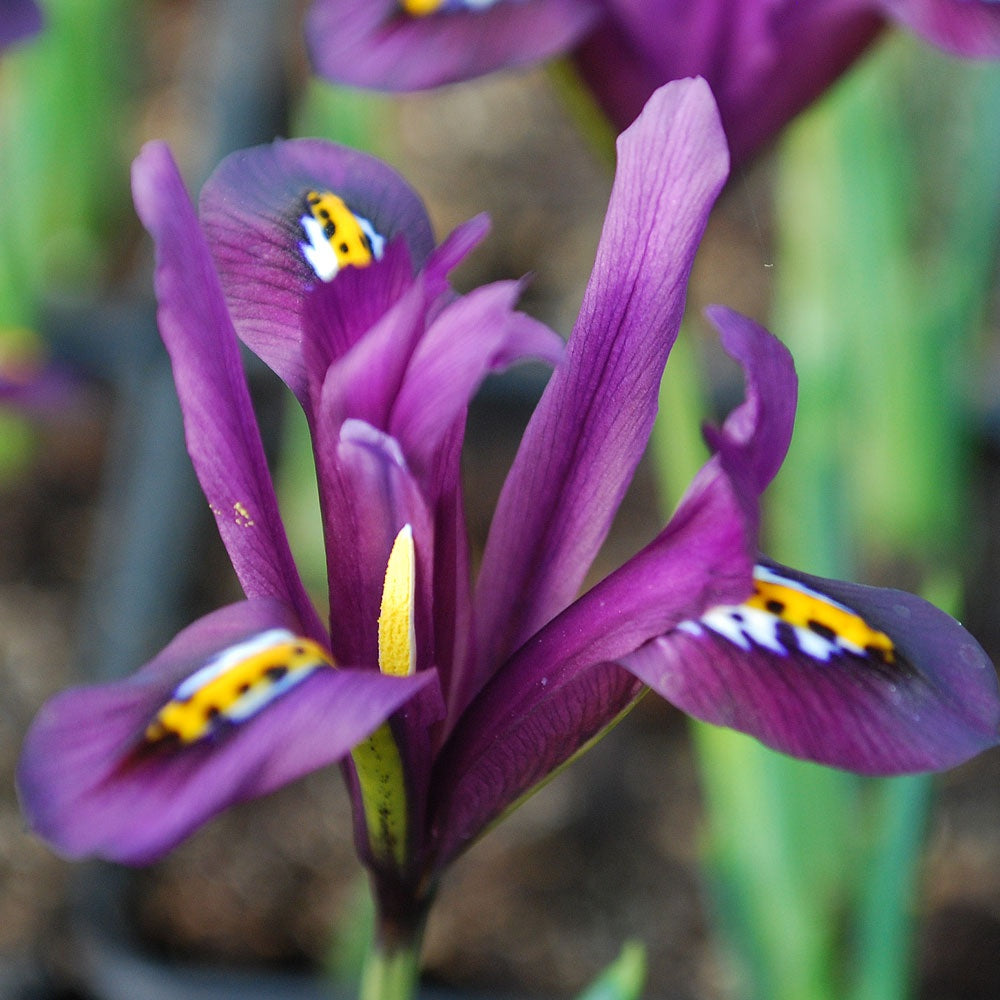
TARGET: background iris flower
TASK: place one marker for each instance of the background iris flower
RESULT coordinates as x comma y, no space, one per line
18,19
29,382
765,60
390,45
448,703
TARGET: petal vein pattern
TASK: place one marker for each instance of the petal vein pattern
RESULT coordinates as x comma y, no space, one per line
786,617
221,430
590,429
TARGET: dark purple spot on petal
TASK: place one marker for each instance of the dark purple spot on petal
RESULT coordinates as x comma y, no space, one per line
785,634
822,630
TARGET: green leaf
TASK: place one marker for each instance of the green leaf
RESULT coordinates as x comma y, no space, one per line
623,979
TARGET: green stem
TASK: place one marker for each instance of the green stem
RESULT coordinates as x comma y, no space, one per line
391,972
676,446
884,910
772,867
583,109
391,967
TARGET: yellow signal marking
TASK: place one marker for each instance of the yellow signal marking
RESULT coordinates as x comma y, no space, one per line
808,610
236,684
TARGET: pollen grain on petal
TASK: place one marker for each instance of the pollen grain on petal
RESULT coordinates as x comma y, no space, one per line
243,518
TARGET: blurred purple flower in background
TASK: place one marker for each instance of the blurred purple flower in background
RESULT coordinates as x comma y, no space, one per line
449,703
765,60
18,19
30,382
410,45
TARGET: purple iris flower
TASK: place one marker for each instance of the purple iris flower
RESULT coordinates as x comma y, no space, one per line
765,60
448,701
30,383
413,44
18,19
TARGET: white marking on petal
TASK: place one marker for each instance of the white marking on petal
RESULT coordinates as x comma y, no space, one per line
256,698
375,239
318,251
229,658
720,620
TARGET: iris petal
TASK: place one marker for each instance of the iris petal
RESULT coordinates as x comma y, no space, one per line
963,27
766,60
368,493
91,784
374,43
220,428
472,337
590,429
874,681
235,685
335,237
251,209
561,689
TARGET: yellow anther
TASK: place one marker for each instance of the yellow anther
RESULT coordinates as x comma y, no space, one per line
377,760
397,652
421,8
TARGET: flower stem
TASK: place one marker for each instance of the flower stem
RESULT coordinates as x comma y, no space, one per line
391,973
391,968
